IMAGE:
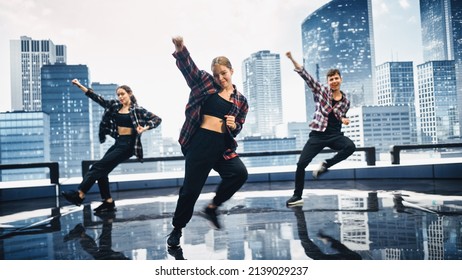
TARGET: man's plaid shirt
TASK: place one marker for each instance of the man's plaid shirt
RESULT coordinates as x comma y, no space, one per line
322,96
202,84
138,115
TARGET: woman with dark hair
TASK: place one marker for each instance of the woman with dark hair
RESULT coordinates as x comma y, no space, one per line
215,114
125,121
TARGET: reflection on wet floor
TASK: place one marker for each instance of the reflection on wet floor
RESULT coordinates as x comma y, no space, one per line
331,224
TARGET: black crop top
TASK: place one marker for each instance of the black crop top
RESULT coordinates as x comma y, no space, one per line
334,125
123,120
216,106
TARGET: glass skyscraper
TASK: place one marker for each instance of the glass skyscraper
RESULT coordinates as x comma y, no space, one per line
340,35
27,57
68,108
24,138
395,86
262,86
108,91
441,22
379,127
437,112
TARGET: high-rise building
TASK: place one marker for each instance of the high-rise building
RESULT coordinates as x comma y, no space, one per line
24,138
298,130
107,91
68,109
261,144
340,35
27,56
441,22
395,86
379,127
262,86
437,113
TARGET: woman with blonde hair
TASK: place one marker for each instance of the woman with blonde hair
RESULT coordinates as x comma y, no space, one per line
215,114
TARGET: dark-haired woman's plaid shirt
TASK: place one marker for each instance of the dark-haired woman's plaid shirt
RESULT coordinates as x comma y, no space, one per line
138,115
322,96
202,84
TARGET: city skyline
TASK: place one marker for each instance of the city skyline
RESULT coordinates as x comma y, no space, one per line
103,38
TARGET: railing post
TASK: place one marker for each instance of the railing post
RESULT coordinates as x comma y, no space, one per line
394,153
370,156
54,173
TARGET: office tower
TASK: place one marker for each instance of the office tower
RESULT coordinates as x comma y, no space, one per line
261,75
441,22
298,130
68,108
27,57
379,127
437,112
261,144
340,35
395,86
108,92
24,138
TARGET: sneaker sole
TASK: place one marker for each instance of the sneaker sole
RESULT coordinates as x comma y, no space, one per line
298,202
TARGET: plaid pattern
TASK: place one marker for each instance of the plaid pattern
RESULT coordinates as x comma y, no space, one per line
322,96
138,115
202,84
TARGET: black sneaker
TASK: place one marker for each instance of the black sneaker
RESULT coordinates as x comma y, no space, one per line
211,215
73,197
176,252
321,169
174,237
294,200
105,207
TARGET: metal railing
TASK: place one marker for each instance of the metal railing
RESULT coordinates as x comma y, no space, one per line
370,157
52,166
370,154
395,150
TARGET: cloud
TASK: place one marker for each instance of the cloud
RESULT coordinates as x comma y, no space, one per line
404,4
380,8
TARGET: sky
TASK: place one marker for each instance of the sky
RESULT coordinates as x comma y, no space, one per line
129,42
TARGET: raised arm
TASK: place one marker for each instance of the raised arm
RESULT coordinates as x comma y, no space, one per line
296,64
196,79
79,85
91,94
316,87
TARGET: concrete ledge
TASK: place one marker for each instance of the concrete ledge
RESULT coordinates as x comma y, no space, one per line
10,191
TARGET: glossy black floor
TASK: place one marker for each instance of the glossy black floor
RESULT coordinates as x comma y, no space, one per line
368,220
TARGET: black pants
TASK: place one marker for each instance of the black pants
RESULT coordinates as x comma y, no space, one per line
99,171
204,154
315,144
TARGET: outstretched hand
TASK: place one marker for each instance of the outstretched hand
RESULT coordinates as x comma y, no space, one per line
79,85
178,42
76,82
296,64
